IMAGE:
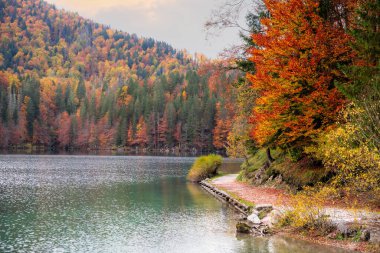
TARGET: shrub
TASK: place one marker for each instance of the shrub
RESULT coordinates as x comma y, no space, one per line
307,213
204,167
355,163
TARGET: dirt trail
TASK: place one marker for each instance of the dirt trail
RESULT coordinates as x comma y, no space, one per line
257,195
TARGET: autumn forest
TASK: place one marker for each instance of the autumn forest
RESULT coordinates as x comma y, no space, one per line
67,82
305,85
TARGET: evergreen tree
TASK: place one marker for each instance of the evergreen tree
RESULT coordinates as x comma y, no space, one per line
363,87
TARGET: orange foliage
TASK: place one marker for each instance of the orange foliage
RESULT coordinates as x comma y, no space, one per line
224,117
64,124
297,60
141,133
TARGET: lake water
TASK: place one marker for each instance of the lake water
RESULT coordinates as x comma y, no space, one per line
118,204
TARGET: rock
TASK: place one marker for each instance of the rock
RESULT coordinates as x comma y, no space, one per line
375,235
346,230
242,227
254,219
242,217
342,228
365,235
332,235
264,207
272,218
278,179
265,230
374,229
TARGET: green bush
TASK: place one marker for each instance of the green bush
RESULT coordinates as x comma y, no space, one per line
204,167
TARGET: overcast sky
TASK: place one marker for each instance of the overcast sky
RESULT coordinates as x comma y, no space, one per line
178,22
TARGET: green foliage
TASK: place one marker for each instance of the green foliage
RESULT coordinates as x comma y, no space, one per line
363,77
258,160
298,174
255,162
204,167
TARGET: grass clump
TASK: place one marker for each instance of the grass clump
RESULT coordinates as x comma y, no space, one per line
204,167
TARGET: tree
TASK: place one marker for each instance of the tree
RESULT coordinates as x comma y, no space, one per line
296,58
223,126
141,138
18,131
363,87
163,131
4,83
63,132
238,140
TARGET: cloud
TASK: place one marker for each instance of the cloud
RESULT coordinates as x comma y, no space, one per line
92,7
178,22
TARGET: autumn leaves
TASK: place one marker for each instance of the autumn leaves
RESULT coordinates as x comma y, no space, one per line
297,58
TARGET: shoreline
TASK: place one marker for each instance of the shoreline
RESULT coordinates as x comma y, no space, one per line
223,196
215,188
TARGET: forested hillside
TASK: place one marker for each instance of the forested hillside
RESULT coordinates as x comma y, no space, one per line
67,82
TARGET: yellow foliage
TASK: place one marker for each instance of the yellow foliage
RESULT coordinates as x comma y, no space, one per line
352,159
307,213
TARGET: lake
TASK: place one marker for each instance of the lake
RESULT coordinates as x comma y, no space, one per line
118,204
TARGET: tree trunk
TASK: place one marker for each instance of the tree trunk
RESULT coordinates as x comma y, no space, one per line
269,156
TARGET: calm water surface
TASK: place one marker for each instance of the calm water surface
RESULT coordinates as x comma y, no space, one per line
117,204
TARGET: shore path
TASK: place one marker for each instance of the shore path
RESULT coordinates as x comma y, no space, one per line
257,195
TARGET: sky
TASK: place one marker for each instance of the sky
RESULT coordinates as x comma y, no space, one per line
177,22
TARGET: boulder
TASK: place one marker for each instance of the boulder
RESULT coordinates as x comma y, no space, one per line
272,218
346,230
242,227
254,218
365,235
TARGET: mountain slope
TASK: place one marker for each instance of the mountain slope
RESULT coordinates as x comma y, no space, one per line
68,82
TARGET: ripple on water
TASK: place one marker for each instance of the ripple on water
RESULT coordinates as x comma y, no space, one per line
116,204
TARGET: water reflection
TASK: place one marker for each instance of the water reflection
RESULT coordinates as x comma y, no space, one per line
116,204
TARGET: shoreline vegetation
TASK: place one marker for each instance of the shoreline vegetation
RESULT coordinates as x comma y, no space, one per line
266,210
204,167
174,151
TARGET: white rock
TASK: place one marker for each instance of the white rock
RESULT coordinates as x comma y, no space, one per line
272,218
254,219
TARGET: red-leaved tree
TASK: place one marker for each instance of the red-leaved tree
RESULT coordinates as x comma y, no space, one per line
296,59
